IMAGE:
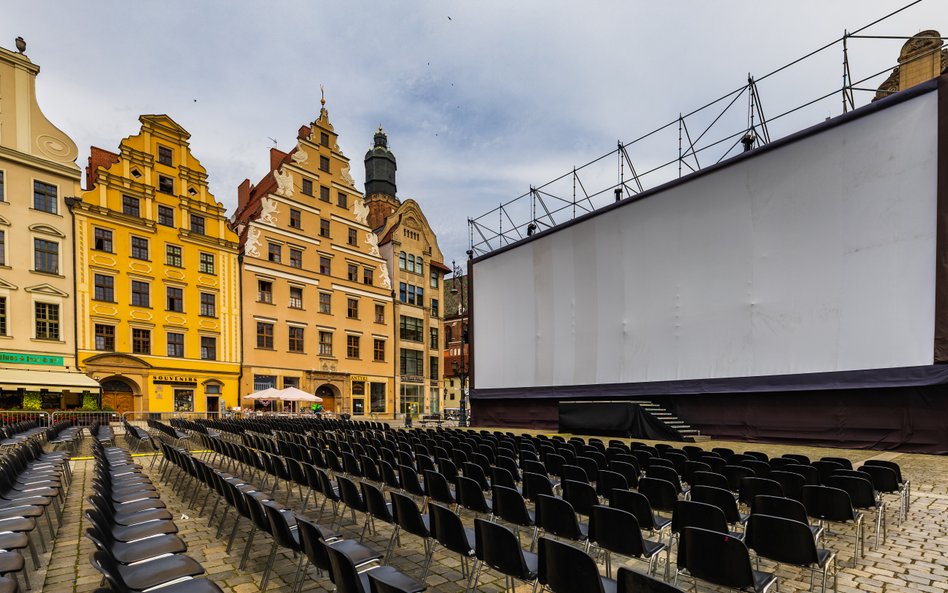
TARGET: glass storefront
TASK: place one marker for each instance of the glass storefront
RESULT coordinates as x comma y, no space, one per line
412,399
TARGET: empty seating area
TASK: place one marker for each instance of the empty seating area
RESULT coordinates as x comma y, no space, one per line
305,504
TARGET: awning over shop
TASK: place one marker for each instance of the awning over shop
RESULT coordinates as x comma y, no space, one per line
56,381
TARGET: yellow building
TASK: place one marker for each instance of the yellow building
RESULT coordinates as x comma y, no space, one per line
317,299
156,276
37,172
417,269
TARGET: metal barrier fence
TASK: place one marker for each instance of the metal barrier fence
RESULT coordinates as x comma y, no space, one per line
14,416
83,418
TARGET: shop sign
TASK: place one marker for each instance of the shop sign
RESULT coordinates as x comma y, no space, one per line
20,358
174,380
412,379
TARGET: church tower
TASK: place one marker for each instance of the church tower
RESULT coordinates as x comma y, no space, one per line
380,181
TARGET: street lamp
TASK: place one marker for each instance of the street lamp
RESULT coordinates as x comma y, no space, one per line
458,290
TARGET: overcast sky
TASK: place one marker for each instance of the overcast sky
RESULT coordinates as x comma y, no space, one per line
480,100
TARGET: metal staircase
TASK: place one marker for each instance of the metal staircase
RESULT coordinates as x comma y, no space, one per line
683,428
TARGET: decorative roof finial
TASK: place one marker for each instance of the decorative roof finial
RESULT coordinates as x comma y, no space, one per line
322,99
20,45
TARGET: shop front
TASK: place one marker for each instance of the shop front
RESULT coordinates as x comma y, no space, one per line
370,395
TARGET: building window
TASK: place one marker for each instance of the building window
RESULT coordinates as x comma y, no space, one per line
173,256
176,345
105,337
410,328
291,382
342,200
295,215
1,187
261,382
379,313
402,257
307,187
323,227
264,335
139,248
208,348
296,297
325,343
411,263
165,215
296,258
141,341
325,302
46,256
352,346
352,308
3,248
367,276
378,350
141,294
433,367
353,238
3,316
264,291
165,185
434,279
403,292
324,193
164,155
434,307
104,288
324,138
206,263
103,240
175,299
274,252
208,304
419,265
296,339
411,362
324,163
197,224
433,338
324,264
47,321
45,197
353,272
131,206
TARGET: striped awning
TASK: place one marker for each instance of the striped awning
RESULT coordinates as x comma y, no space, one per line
32,380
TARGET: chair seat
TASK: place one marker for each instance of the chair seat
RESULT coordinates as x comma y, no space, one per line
13,541
822,556
133,496
762,579
162,570
393,578
129,552
30,492
650,548
23,511
127,533
355,551
8,585
135,506
11,562
142,516
533,562
17,524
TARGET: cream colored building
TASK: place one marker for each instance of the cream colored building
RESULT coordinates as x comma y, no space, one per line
37,294
316,293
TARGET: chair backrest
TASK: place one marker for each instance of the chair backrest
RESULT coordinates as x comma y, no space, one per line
703,478
574,473
797,458
471,495
883,478
310,540
475,472
860,490
349,493
635,503
407,515
438,487
581,495
781,539
826,502
661,494
500,476
825,468
715,557
609,481
556,516
809,473
792,483
629,470
409,481
536,484
630,581
751,487
736,473
375,502
566,569
510,506
498,547
280,527
689,513
889,464
447,528
615,530
344,574
779,506
720,498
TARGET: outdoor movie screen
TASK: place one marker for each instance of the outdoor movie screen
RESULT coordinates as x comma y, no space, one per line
815,256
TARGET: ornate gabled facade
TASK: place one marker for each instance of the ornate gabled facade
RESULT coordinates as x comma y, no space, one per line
457,364
38,172
317,308
156,276
417,269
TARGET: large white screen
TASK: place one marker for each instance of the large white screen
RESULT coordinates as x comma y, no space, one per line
816,256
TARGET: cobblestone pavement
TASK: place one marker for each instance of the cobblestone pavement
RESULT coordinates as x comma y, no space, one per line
912,558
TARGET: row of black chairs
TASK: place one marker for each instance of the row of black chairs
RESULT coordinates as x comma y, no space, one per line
137,547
